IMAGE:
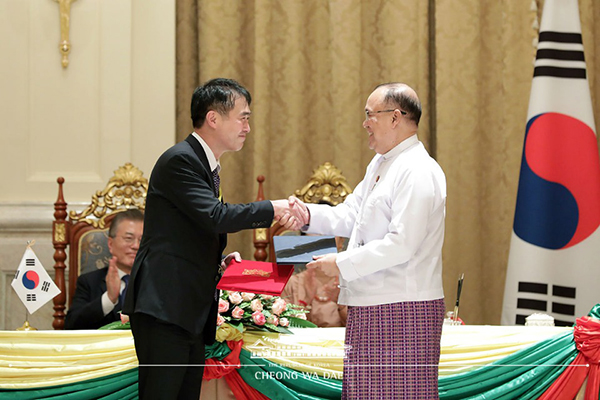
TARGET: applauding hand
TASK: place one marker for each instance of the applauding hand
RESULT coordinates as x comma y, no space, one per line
113,282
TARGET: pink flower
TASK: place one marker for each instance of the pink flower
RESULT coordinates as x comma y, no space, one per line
279,306
124,318
267,297
256,305
247,296
258,318
301,316
284,322
273,320
235,297
220,320
223,305
237,313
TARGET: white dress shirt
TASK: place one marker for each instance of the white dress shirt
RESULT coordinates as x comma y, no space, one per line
212,161
395,222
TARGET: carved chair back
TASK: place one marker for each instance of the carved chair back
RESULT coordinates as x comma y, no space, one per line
84,235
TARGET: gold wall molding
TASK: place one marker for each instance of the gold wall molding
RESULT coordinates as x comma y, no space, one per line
64,7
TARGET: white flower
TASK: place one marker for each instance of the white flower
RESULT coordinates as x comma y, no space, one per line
279,306
235,297
247,296
273,320
256,305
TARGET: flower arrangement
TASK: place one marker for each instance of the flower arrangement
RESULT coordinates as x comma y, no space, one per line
260,311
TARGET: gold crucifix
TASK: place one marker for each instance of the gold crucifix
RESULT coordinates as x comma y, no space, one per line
65,16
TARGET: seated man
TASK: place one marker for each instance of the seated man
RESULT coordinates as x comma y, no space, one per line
99,294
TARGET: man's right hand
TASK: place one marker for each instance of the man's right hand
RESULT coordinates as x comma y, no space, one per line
290,213
113,282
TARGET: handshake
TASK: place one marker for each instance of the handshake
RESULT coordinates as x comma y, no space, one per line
291,213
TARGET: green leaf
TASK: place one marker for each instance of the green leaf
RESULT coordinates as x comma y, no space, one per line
237,325
279,329
116,325
258,328
300,323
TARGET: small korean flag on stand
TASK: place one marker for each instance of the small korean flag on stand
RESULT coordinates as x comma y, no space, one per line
32,283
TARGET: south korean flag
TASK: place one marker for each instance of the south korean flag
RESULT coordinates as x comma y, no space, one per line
32,283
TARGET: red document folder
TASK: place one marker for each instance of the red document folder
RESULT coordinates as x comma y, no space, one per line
256,277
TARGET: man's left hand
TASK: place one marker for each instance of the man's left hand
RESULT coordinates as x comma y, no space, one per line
227,260
326,263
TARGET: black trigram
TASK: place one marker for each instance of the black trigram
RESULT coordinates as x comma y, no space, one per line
536,305
45,286
31,297
560,55
30,262
17,274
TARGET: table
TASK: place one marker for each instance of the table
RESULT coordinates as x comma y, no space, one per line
94,363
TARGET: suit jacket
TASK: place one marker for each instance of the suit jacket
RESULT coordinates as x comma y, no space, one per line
176,269
86,310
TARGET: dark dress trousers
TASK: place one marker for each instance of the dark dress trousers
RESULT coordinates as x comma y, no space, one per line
176,270
86,310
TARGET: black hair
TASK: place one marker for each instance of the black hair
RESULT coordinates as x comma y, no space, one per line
132,214
217,94
399,98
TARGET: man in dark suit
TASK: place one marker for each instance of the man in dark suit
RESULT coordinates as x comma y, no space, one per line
172,299
99,294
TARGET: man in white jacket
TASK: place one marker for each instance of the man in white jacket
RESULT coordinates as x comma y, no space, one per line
391,274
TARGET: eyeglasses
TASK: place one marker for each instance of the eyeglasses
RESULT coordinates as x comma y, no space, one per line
131,240
371,114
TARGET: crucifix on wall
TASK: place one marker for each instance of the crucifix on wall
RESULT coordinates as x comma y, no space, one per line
65,16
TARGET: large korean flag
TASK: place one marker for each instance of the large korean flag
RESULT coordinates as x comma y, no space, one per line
554,260
32,283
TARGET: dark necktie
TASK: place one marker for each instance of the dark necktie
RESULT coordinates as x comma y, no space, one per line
216,181
125,279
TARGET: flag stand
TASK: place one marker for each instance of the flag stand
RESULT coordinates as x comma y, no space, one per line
26,326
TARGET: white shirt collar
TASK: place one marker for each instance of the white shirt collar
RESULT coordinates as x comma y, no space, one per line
400,147
212,161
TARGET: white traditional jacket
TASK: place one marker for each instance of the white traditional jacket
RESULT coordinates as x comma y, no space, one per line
395,222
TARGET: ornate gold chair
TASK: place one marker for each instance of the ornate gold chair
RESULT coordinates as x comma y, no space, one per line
326,185
85,233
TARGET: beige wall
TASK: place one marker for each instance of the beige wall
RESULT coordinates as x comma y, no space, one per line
114,103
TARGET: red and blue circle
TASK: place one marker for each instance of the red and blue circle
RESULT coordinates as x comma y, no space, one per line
31,280
558,202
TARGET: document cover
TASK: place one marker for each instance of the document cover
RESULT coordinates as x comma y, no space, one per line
255,277
301,249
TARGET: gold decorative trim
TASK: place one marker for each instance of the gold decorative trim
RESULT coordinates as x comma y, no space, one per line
60,233
64,46
126,189
327,184
256,272
260,234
